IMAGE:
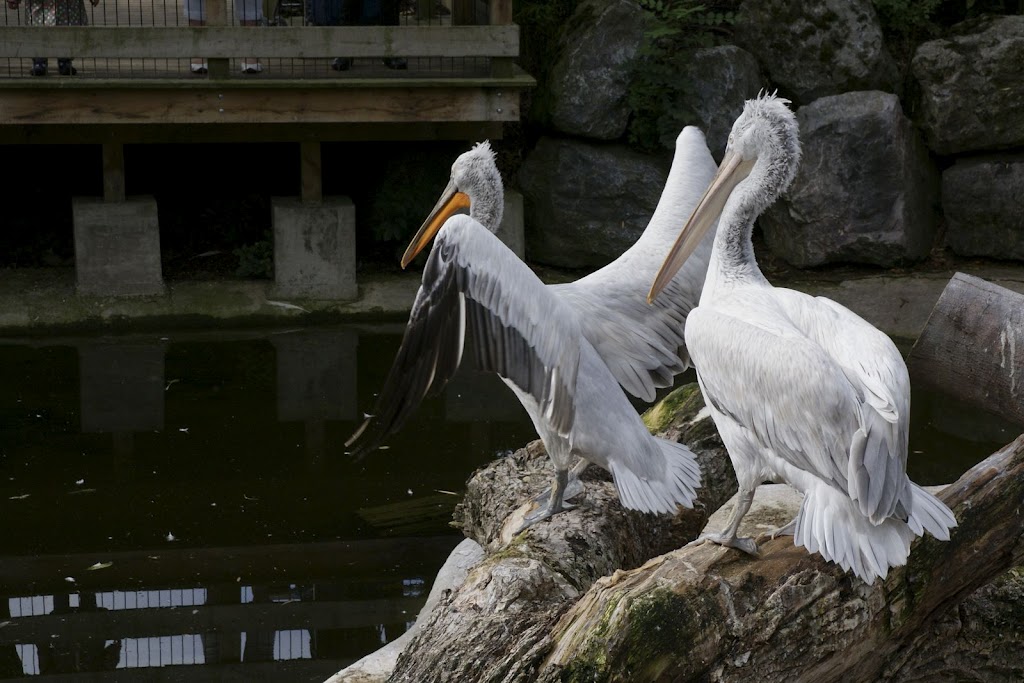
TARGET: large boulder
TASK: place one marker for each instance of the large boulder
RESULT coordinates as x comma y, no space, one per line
721,79
983,202
866,190
589,82
971,92
818,47
587,203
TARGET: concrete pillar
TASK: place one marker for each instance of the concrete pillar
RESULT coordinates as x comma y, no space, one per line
121,387
511,230
117,247
316,382
316,374
314,248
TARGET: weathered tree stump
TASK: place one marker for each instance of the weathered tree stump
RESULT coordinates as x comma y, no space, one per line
532,610
497,625
972,347
604,594
708,613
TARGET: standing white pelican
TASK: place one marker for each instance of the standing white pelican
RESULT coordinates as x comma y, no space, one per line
802,390
642,345
474,285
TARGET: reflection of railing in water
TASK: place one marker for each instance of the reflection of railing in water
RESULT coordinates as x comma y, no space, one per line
235,624
145,423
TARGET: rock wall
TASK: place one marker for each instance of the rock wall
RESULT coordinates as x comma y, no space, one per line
901,156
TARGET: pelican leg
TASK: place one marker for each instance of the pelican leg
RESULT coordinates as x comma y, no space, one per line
728,537
555,504
788,529
573,486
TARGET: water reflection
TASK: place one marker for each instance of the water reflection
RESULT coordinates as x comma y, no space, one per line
180,505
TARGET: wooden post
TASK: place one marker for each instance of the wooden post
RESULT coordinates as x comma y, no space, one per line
312,186
463,12
501,15
217,15
425,10
501,12
113,172
972,347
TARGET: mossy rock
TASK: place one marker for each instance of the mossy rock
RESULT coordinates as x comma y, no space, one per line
678,408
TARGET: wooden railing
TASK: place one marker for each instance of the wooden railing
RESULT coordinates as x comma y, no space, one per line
455,74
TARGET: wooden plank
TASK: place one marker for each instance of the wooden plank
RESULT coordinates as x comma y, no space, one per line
256,105
167,621
310,171
189,567
408,517
280,42
256,132
519,80
972,347
113,172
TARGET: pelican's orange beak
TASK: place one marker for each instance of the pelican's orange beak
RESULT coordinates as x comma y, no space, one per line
732,170
450,202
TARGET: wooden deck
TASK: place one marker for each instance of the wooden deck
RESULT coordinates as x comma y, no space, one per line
133,73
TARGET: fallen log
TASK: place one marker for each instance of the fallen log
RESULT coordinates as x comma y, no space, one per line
535,608
706,612
972,347
496,626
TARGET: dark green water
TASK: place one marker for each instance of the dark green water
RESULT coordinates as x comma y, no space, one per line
180,505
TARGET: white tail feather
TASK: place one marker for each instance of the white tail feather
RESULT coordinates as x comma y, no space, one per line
831,524
676,484
930,513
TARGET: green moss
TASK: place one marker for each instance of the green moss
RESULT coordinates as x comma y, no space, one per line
657,628
513,550
684,402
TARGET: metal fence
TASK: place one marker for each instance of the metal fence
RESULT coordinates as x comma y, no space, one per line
261,15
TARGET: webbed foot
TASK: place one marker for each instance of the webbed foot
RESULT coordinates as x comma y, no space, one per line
573,488
785,530
542,513
745,543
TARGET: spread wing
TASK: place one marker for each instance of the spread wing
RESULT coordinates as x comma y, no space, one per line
474,285
643,344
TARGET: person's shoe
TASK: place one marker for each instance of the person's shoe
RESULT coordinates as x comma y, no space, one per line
251,67
199,67
65,68
341,63
38,69
396,62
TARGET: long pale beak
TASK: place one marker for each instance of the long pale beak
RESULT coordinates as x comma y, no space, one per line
451,201
732,170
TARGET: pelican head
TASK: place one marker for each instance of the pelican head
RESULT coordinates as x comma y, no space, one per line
764,146
475,184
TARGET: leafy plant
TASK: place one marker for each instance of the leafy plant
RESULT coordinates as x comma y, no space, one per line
256,260
409,184
659,92
907,18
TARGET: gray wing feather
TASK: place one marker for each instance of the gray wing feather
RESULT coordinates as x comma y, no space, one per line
874,367
643,344
837,389
788,394
473,285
